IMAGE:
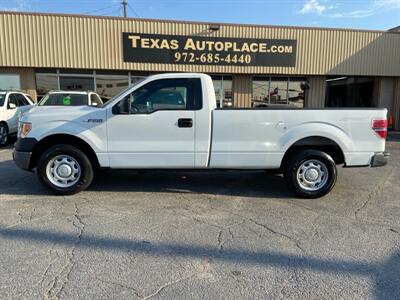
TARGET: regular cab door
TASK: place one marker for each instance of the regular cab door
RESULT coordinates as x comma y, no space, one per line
153,127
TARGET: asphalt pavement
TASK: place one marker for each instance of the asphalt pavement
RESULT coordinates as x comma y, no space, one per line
205,235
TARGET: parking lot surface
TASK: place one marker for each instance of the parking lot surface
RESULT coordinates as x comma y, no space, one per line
180,235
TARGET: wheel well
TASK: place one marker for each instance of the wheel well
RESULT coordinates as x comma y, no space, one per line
52,140
317,143
5,123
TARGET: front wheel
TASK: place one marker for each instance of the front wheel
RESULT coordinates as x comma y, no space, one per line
65,170
311,173
3,135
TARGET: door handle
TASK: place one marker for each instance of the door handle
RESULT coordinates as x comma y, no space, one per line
185,123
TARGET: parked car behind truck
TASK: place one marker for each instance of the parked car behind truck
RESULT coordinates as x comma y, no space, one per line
70,98
12,105
170,121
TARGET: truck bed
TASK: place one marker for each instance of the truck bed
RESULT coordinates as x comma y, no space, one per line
258,138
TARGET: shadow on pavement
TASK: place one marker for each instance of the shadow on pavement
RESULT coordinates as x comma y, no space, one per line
229,183
385,275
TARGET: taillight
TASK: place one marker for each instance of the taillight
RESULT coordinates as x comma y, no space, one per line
380,127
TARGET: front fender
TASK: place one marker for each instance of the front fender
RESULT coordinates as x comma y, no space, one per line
92,134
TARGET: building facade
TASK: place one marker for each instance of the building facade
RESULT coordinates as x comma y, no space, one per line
251,65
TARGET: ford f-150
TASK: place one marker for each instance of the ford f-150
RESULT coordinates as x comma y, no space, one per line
171,121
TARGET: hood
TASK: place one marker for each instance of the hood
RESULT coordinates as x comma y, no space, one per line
37,108
61,113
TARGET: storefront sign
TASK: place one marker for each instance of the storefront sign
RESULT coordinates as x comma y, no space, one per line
178,49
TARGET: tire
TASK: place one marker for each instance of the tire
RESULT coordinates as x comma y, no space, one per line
65,170
3,134
310,174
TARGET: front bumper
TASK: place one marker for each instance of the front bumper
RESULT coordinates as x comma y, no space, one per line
22,159
22,153
379,159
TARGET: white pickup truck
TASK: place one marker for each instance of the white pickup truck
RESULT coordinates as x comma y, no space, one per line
171,121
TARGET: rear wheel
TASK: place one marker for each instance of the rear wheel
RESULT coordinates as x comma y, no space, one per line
65,170
311,173
3,135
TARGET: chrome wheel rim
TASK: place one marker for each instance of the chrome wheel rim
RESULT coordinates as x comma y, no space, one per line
3,135
312,175
63,171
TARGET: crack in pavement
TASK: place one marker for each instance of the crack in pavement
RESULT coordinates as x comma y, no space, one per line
163,287
54,291
221,242
375,192
135,291
293,240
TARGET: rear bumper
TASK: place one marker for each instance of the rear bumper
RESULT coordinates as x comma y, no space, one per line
379,159
22,159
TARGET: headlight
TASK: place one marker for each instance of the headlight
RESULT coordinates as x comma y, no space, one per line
23,129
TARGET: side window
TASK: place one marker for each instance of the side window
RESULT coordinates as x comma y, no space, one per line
21,100
12,99
164,94
95,100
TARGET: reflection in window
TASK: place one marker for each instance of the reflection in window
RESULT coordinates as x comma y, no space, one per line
278,91
159,95
10,82
76,83
108,85
260,91
223,90
296,92
45,82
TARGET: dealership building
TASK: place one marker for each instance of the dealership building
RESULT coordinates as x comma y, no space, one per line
251,65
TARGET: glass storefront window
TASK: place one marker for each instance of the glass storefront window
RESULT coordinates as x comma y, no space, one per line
108,85
260,91
45,82
278,90
10,82
136,78
76,83
223,90
227,90
270,91
217,89
296,92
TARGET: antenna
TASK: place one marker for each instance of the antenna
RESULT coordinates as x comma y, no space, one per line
124,7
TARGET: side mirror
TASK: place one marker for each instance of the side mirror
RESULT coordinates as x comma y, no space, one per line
122,107
12,106
95,104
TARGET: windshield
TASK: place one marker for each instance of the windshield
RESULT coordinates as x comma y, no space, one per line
2,98
122,92
64,99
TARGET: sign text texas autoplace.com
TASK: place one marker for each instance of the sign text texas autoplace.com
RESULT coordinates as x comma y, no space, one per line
170,49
